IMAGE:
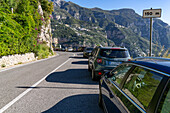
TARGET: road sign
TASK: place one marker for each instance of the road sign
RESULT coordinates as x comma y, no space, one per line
151,13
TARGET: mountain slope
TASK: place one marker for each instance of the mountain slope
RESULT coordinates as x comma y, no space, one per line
103,27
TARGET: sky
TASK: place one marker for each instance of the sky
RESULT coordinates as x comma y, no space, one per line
137,5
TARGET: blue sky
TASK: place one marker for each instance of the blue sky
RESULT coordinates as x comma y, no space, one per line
137,5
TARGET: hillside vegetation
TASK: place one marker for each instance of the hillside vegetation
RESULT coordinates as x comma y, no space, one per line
19,29
95,26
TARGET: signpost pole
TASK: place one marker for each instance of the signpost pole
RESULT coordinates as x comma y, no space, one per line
151,13
150,54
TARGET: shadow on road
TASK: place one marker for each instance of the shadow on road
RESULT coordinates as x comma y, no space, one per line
39,87
77,57
80,62
75,76
80,53
85,103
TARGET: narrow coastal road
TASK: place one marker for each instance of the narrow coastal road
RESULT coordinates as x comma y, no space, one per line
61,84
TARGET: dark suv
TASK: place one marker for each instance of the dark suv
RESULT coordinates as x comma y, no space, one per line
106,58
137,86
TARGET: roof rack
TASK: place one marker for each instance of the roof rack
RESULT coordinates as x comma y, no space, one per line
153,58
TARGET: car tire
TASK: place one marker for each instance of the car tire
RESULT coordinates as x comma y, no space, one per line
100,98
93,75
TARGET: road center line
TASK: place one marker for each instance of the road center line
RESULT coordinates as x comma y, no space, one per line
29,89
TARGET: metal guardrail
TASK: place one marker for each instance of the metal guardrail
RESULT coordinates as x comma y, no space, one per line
153,58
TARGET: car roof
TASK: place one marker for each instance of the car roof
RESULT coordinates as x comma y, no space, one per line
123,48
161,64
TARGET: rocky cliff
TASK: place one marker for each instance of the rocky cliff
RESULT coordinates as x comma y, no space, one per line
45,32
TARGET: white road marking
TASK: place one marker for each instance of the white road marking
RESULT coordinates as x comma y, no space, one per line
28,90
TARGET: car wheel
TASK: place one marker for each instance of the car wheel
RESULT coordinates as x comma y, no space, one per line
93,75
100,98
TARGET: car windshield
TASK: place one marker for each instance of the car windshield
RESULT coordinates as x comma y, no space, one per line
114,53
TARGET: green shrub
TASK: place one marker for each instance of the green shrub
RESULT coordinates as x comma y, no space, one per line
42,51
52,53
19,31
19,62
3,65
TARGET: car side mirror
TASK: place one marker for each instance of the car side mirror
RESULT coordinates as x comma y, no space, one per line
108,74
114,78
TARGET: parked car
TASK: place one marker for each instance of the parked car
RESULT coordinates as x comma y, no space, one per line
87,51
81,49
106,58
75,49
70,49
64,49
137,86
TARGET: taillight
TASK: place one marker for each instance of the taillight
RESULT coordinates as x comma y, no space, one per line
99,60
99,73
129,59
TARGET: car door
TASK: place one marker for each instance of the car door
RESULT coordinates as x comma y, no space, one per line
139,89
133,91
110,88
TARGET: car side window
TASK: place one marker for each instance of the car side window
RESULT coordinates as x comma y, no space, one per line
141,85
120,72
164,106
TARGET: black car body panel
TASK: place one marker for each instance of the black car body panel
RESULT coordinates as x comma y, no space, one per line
136,87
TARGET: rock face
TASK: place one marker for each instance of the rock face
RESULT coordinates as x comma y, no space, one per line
45,34
57,2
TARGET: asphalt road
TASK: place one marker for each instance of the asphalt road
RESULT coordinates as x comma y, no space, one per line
61,84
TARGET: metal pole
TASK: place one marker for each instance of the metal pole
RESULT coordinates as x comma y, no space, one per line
150,54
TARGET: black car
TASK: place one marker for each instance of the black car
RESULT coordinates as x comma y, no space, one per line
87,52
141,85
106,58
81,49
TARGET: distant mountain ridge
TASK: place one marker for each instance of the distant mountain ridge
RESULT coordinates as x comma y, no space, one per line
108,27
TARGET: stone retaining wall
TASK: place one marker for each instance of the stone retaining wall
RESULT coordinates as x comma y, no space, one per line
11,60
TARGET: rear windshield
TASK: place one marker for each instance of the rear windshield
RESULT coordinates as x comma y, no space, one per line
114,53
